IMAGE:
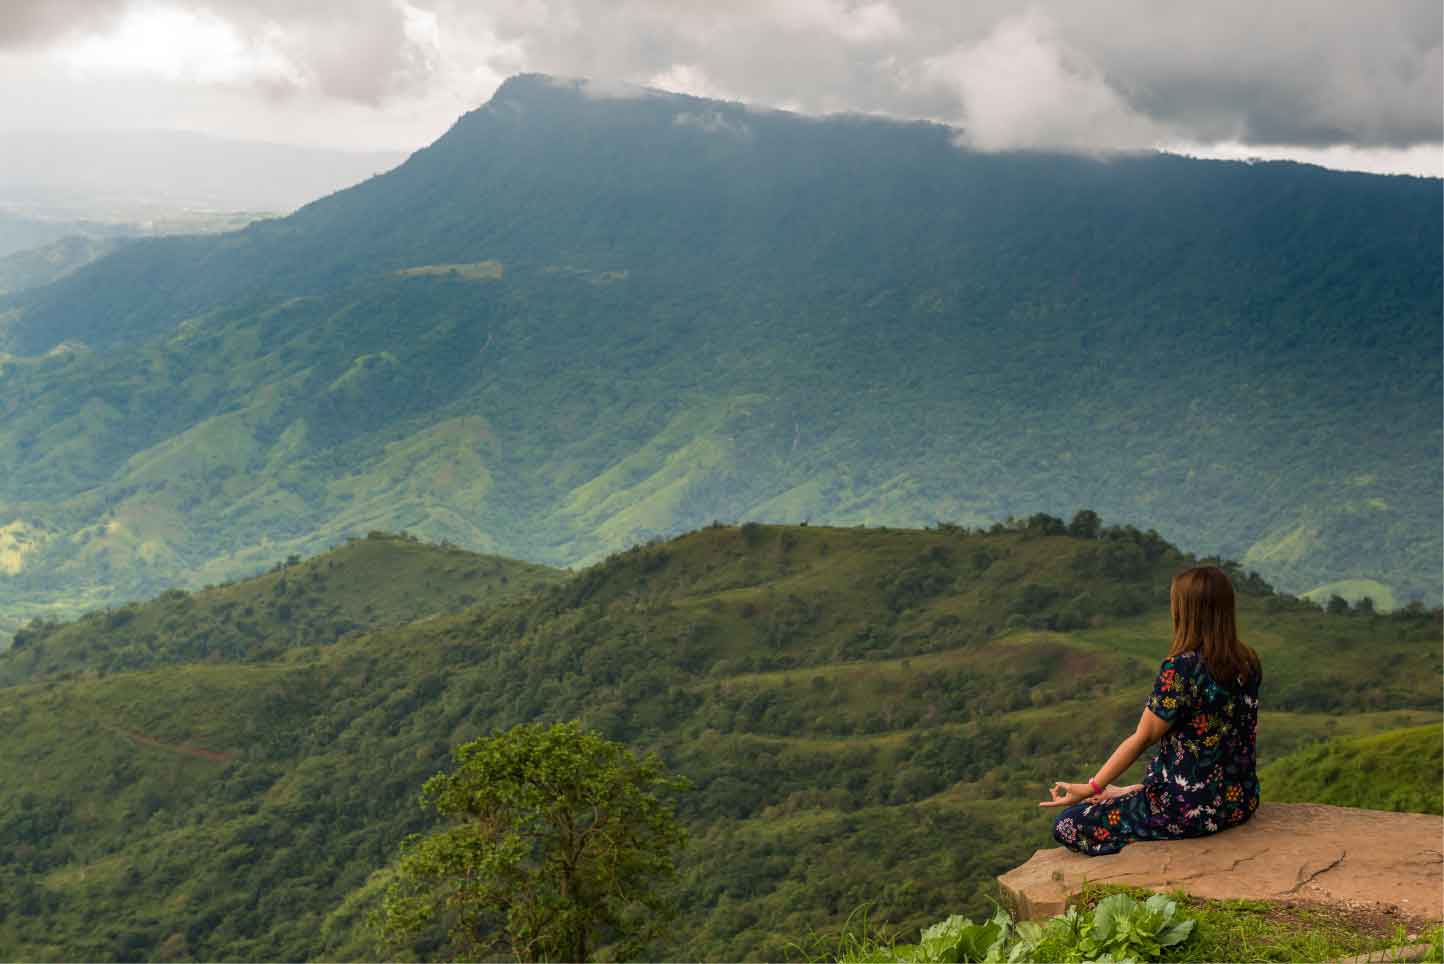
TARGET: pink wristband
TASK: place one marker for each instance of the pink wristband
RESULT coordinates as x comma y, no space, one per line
1094,786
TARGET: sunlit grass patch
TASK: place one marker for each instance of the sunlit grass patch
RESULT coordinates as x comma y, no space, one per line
469,271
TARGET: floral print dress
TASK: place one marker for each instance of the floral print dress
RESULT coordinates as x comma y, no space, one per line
1202,778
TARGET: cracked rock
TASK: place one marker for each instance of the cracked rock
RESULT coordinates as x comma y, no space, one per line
1332,856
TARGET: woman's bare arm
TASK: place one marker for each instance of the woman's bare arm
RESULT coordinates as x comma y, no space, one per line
1150,730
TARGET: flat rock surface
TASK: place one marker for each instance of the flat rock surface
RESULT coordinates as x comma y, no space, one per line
1302,852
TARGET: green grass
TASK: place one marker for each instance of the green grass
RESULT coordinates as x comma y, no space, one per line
1225,930
1401,770
1244,930
1353,590
470,271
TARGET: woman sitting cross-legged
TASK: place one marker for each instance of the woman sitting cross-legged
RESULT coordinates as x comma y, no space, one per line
1204,708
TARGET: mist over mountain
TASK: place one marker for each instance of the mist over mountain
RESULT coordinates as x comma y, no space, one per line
135,175
587,316
22,235
33,267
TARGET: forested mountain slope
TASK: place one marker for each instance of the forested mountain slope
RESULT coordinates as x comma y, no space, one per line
576,322
866,714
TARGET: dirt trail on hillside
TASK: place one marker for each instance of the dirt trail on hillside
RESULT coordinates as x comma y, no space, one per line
200,752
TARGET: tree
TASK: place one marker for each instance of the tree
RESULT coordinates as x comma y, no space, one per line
1041,523
1085,524
558,841
1337,604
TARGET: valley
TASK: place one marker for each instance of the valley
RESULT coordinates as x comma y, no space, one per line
867,714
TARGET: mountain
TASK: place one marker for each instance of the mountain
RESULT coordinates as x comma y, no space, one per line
41,265
579,321
866,714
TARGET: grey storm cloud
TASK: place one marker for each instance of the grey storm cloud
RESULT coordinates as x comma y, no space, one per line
1079,74
26,22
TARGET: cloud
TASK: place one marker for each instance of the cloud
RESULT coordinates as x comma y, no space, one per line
712,122
1285,72
861,24
29,23
688,79
1426,160
180,46
366,51
1081,74
606,88
1023,87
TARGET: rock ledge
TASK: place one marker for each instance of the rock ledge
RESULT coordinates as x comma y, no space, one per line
1301,852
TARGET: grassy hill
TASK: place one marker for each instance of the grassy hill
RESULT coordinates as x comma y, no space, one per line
593,322
1396,770
381,580
866,714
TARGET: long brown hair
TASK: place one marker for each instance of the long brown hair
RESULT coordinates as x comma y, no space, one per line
1201,601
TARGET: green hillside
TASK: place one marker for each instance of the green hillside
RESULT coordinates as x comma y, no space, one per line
381,580
866,714
34,267
591,322
1397,770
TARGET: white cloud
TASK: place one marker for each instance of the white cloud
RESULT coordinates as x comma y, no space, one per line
1422,160
606,88
180,46
688,79
712,122
861,24
1090,75
1022,87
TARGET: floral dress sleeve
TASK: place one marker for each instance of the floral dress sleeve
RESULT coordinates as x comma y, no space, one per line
1172,692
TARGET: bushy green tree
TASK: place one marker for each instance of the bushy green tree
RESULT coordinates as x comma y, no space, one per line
1085,525
558,842
1042,523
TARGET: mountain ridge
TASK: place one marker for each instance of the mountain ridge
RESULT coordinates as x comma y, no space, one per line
843,320
568,102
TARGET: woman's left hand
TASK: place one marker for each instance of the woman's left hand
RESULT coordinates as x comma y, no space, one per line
1067,794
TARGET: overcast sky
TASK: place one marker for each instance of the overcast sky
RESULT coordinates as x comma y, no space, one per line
1347,84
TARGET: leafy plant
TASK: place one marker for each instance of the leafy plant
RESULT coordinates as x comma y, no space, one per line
1121,928
958,939
1126,929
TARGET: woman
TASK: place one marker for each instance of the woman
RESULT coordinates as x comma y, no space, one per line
1204,707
